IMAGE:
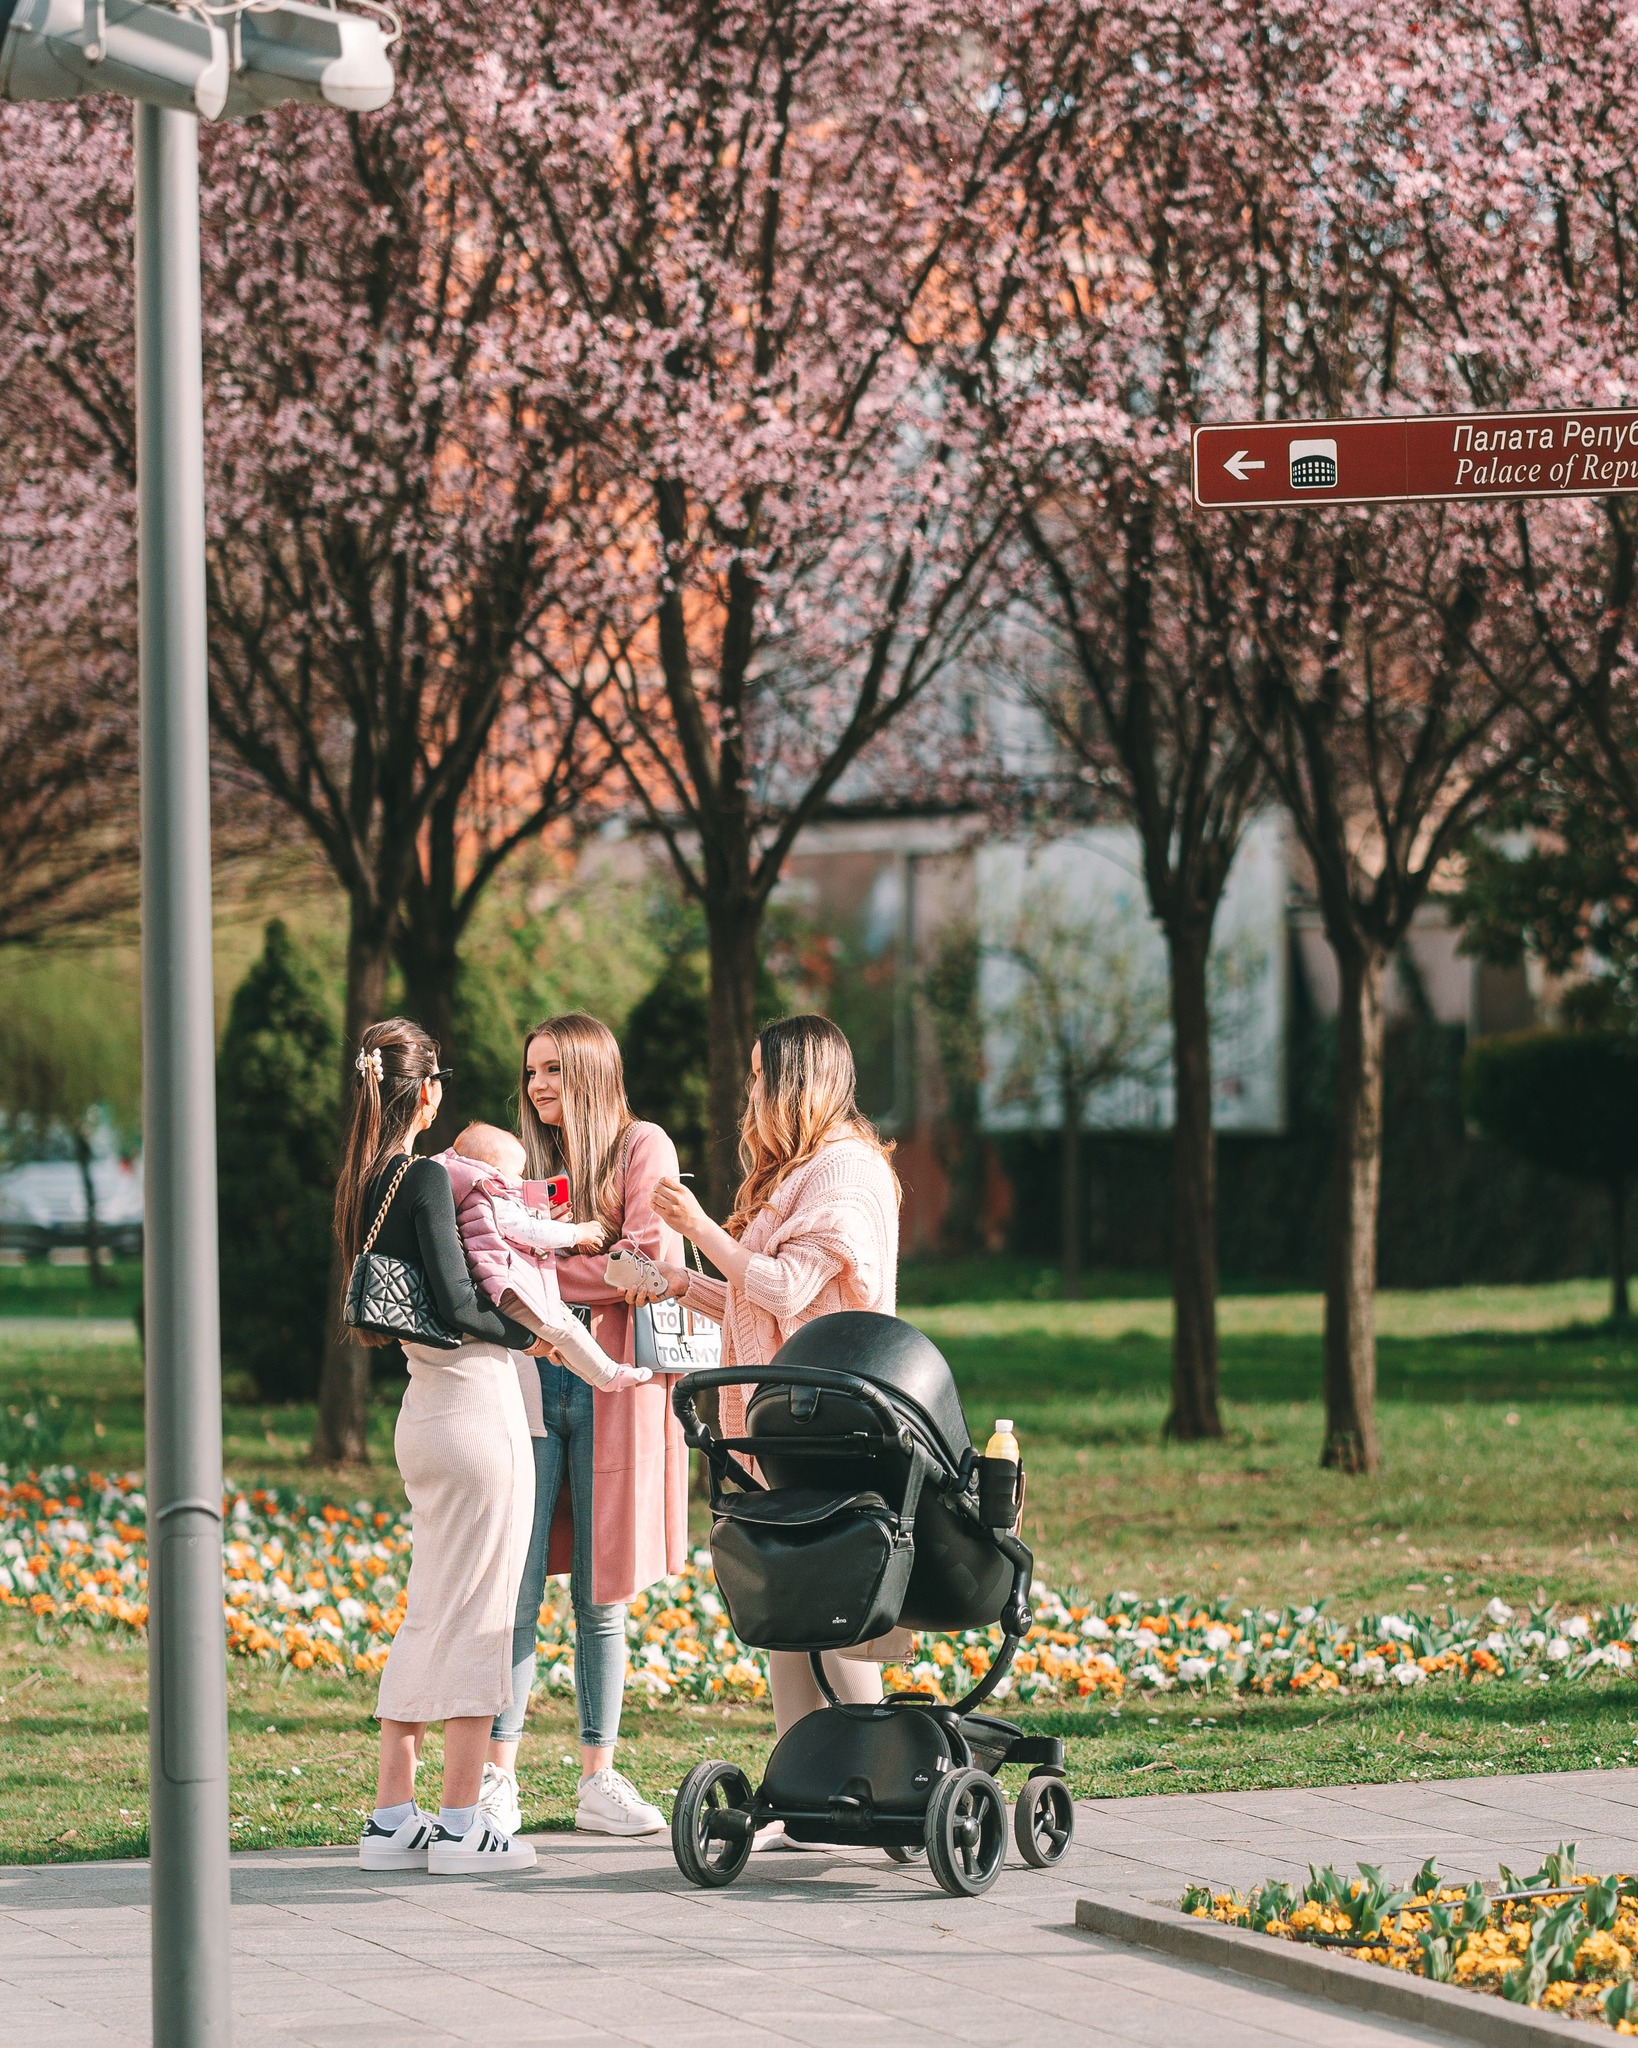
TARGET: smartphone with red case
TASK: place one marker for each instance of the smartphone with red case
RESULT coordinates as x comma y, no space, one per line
551,1193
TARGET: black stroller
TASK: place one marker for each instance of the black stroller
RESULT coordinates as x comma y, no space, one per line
875,1512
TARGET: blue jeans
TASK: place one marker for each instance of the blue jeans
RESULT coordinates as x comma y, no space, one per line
599,1631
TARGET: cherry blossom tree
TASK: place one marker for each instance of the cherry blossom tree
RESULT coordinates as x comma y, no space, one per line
1089,388
741,220
1387,669
1271,211
1548,214
67,800
381,543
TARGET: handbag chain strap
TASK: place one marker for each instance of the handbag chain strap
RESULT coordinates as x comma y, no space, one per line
690,1249
381,1214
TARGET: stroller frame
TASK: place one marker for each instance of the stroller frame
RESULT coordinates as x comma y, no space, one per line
935,1759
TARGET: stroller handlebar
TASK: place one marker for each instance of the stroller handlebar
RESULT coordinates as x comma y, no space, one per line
698,1433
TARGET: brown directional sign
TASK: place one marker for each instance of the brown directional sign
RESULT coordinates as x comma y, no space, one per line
1440,455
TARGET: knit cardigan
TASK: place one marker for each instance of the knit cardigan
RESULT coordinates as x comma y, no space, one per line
827,1240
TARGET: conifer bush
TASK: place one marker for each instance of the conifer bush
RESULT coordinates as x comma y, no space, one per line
277,1085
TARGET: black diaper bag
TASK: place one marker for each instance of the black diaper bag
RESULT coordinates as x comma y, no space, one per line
803,1568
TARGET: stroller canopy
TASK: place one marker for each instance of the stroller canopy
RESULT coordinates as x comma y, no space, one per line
894,1356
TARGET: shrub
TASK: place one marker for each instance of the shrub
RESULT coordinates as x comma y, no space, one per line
276,1090
1566,1100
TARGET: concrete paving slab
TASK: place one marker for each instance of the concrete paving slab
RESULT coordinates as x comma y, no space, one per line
605,1946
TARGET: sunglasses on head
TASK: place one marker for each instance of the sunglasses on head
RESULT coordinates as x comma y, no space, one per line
441,1074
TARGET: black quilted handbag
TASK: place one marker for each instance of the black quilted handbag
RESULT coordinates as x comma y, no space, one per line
389,1297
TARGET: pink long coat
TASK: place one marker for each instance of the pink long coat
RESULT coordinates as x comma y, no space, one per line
640,1462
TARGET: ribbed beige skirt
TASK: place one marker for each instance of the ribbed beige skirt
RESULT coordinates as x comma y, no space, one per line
468,1467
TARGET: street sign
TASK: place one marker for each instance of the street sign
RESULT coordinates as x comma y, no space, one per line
1441,455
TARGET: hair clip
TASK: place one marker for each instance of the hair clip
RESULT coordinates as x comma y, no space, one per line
370,1063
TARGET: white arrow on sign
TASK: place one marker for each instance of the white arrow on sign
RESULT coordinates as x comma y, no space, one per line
1240,463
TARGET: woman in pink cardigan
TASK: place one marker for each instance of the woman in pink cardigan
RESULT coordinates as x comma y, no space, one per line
611,1470
815,1229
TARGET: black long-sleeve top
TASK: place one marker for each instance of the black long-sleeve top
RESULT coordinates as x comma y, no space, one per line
421,1228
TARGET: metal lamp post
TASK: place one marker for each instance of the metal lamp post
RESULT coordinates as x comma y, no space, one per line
187,1682
178,63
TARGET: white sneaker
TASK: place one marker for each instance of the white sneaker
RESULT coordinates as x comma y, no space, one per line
612,1805
483,1848
499,1799
630,1267
401,1848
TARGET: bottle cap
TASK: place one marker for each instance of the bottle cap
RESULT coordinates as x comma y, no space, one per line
1003,1426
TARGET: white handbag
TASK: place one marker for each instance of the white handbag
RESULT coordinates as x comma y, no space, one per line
666,1337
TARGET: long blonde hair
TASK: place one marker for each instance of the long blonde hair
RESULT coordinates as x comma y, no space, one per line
590,1143
804,1099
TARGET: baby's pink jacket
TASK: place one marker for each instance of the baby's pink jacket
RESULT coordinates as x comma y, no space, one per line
496,1264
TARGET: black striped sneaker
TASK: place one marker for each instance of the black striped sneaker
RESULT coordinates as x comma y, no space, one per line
401,1848
482,1847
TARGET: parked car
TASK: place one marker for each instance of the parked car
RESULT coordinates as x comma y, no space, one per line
43,1207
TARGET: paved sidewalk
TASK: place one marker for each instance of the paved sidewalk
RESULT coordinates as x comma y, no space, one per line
606,1944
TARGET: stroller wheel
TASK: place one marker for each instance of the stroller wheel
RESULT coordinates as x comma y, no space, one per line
967,1833
1043,1821
900,1852
708,1853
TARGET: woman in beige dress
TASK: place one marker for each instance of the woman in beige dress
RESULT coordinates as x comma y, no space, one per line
462,1444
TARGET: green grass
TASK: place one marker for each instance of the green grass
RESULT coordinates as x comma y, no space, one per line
98,1388
43,1290
1002,1276
1509,1419
1508,1454
1573,1305
74,1758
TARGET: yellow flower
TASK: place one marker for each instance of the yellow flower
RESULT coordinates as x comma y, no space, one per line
1602,1955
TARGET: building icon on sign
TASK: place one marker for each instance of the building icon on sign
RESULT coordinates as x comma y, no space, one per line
1313,465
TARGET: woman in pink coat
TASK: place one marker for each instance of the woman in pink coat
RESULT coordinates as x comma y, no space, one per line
621,1521
815,1229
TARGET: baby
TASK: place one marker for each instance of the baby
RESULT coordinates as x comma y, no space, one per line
510,1249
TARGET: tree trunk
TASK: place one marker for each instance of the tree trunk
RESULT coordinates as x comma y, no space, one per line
1069,1186
429,960
734,929
341,1435
427,944
1350,1251
1194,1414
93,1228
1620,1307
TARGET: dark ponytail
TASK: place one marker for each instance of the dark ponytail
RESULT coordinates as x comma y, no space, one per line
394,1059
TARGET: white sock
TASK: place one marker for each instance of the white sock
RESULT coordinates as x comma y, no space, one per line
457,1820
393,1817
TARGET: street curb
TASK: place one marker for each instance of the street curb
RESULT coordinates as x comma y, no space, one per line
1364,1987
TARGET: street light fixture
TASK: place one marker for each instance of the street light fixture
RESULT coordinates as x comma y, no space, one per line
178,62
202,59
294,51
61,49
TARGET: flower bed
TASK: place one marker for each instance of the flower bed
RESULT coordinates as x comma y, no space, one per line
1554,1939
321,1586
